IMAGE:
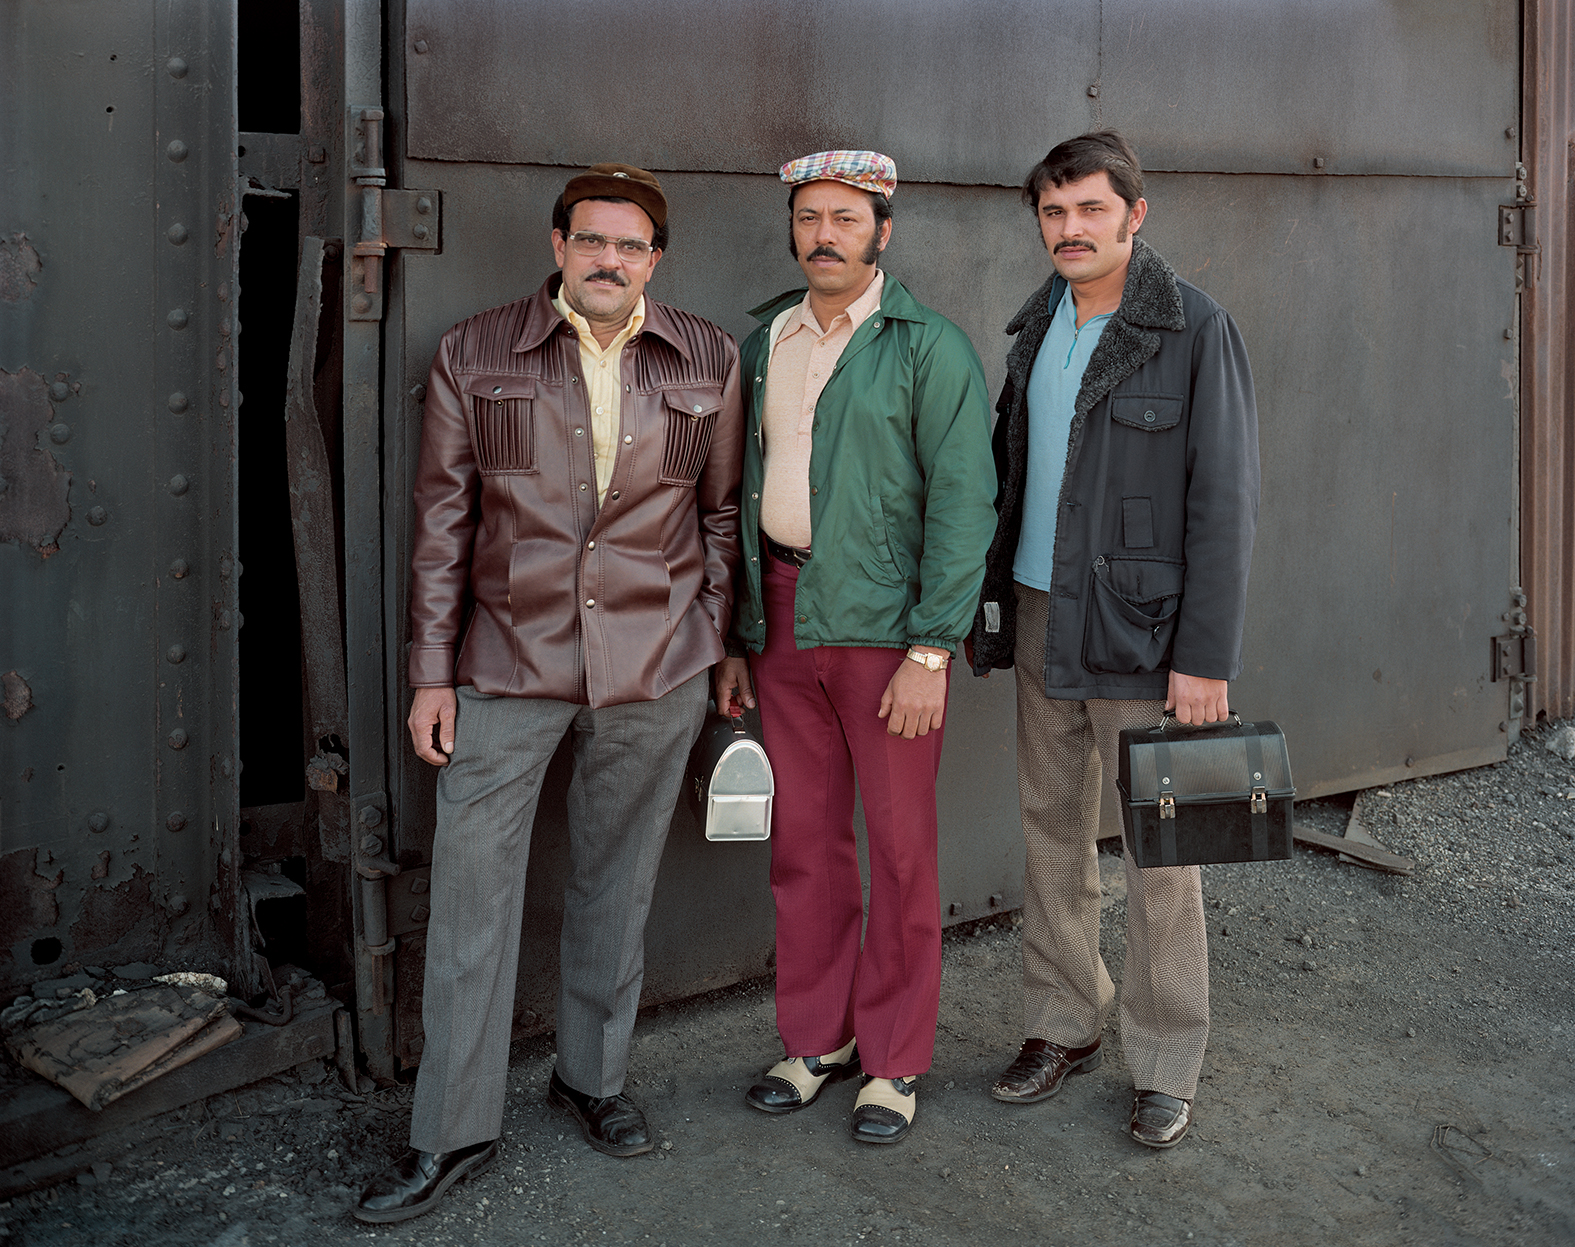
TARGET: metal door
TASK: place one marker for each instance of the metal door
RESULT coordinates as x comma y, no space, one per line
119,232
1331,173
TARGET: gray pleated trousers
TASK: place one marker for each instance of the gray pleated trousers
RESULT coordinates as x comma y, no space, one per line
628,766
1066,765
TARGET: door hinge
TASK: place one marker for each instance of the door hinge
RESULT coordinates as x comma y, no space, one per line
1515,656
1517,227
409,219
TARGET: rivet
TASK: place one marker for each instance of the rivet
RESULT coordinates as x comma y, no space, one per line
226,566
98,821
224,327
420,913
423,205
590,601
421,47
175,821
177,319
420,231
177,233
227,767
1410,761
60,434
178,402
180,569
331,248
224,621
176,653
361,303
179,485
1509,132
1093,92
179,904
96,516
178,738
176,151
176,66
59,391
1509,335
1257,774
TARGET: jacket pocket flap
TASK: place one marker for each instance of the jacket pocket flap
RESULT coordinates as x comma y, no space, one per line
1142,580
693,402
1150,412
496,389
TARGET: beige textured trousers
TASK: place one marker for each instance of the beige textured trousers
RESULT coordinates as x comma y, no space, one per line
1066,764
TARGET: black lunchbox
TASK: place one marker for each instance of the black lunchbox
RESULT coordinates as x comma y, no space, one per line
1193,796
730,784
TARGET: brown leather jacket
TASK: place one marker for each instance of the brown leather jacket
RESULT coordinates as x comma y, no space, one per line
520,584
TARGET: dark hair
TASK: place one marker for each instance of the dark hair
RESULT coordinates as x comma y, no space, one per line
1087,154
879,204
560,218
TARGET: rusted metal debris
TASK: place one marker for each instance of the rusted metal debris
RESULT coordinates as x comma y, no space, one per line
98,1049
19,268
34,488
18,696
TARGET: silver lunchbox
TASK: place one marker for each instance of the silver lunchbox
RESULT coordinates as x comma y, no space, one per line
730,782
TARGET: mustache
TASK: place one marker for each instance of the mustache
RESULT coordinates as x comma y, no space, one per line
607,274
1087,246
824,252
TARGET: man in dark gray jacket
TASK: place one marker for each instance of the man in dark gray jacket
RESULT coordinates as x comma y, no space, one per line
1127,451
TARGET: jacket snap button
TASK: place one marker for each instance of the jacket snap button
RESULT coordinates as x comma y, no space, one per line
756,497
803,619
1149,416
627,438
615,495
590,545
497,389
757,380
582,484
579,432
813,489
698,407
590,601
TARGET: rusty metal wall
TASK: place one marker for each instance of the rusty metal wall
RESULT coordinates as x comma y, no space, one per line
1547,365
118,238
1361,259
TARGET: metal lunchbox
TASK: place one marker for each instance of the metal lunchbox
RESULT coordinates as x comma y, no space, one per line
1192,796
730,782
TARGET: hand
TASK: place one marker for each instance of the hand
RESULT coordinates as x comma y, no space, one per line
914,702
433,706
730,674
968,654
1195,700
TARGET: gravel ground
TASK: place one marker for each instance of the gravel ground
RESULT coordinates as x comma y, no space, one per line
1388,1065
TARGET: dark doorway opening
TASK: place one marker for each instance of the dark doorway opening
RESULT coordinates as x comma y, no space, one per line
268,66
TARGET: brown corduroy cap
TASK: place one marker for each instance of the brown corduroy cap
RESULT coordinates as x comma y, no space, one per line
623,182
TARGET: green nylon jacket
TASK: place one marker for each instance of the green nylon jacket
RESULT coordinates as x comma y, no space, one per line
902,484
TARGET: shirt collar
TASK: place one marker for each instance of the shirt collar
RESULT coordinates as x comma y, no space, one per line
630,327
857,312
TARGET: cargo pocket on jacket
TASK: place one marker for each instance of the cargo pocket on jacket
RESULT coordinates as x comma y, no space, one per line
503,427
691,416
1132,608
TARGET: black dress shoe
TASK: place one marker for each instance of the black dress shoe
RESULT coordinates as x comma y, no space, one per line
795,1082
883,1112
1040,1069
415,1182
610,1123
1159,1120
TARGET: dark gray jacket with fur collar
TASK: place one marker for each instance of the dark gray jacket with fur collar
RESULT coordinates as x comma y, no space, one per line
1159,497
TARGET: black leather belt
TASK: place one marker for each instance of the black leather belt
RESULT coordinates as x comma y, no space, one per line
794,556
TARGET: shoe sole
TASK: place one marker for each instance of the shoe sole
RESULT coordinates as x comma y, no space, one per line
847,1071
1086,1066
473,1168
606,1149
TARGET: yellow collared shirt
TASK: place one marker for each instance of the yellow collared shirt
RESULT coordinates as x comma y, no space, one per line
603,385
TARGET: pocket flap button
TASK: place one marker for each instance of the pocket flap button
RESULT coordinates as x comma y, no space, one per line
1149,416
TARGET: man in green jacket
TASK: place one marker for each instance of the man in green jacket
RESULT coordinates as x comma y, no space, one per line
867,496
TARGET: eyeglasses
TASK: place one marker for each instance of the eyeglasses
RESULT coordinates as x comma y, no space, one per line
587,243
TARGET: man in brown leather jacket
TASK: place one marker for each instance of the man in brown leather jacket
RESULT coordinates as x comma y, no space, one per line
576,535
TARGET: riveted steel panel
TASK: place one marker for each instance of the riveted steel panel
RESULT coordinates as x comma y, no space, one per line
117,796
1366,86
953,93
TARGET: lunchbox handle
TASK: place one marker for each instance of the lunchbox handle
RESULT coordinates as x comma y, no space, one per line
1168,719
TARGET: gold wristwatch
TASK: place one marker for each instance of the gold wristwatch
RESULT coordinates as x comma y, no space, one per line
930,662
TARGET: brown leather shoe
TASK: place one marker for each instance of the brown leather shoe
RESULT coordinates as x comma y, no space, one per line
1040,1069
1159,1120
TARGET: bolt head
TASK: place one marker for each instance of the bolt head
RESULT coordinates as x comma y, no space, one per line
361,303
371,816
317,154
1318,162
177,151
60,434
420,231
420,913
421,47
98,821
1093,92
423,205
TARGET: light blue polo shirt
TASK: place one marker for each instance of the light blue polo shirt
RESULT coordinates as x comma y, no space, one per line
1052,397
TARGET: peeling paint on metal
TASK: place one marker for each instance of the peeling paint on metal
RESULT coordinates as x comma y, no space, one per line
35,489
122,918
19,268
18,696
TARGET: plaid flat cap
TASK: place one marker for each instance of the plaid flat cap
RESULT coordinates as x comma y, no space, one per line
869,171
